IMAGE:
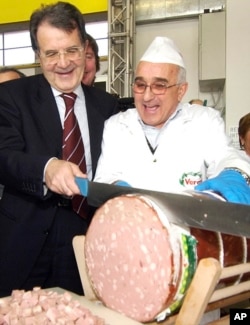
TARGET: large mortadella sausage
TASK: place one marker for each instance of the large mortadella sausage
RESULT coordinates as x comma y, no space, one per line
141,265
135,264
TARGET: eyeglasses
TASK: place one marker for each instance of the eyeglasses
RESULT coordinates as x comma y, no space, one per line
157,88
71,53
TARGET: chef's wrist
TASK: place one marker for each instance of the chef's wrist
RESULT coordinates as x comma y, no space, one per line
240,171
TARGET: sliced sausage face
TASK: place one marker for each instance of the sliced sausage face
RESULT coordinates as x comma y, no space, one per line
129,257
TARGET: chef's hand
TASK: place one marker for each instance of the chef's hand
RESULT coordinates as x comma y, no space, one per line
122,183
230,184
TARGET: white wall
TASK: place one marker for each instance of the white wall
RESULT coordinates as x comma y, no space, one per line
237,61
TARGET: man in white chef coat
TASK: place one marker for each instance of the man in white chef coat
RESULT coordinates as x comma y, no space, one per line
164,145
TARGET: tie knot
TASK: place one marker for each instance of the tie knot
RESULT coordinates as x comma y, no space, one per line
69,99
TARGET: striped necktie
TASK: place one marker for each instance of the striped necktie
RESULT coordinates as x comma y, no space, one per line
73,148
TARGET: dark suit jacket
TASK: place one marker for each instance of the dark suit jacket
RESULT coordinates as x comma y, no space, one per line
30,134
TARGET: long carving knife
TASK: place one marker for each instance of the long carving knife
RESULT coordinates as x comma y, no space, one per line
191,209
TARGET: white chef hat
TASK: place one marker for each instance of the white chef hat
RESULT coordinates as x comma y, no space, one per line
163,50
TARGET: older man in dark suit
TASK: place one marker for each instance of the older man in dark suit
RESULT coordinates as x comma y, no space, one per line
37,221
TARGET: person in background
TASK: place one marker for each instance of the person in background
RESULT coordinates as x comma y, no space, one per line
162,144
196,101
37,220
92,66
7,73
244,133
92,62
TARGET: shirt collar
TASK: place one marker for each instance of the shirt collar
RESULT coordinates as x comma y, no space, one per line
78,91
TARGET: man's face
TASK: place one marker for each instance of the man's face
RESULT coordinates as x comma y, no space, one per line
155,109
90,67
65,71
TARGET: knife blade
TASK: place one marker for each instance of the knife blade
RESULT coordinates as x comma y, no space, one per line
191,209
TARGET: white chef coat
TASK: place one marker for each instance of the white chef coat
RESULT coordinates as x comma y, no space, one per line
191,147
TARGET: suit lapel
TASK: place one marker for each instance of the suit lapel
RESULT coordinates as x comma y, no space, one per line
48,116
95,123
